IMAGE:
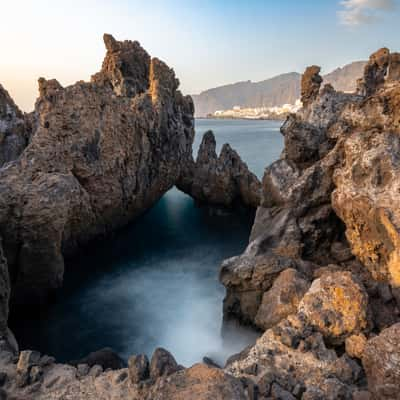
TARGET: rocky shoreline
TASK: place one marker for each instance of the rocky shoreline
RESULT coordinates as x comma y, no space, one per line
320,278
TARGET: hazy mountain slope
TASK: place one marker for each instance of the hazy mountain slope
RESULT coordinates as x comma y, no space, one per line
276,91
345,78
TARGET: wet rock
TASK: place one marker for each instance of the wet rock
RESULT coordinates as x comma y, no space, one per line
162,363
335,305
106,358
381,361
282,299
138,368
223,180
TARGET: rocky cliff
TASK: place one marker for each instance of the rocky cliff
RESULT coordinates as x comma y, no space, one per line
321,272
100,153
319,279
223,180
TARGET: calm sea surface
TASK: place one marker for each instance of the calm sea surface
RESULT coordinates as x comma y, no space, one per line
155,283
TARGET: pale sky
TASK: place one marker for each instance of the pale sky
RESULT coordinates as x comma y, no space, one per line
208,42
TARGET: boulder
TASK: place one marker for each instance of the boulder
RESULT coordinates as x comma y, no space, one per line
138,368
282,299
101,153
162,363
381,361
335,305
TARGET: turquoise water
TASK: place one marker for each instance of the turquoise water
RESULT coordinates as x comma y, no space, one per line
155,283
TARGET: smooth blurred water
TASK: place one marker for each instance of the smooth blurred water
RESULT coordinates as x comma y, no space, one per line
155,283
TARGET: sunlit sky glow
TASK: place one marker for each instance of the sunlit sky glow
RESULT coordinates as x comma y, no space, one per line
208,42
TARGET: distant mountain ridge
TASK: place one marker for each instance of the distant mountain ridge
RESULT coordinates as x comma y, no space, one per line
276,91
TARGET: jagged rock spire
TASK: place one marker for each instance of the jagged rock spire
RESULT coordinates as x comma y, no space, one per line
310,84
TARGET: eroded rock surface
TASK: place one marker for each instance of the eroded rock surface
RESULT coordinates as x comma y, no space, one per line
330,212
101,153
223,180
282,299
41,378
15,128
297,360
381,360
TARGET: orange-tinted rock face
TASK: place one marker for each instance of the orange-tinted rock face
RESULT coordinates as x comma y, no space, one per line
336,306
367,180
223,180
282,299
330,210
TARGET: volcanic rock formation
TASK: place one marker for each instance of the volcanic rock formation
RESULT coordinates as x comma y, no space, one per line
330,213
223,180
15,128
321,274
101,153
